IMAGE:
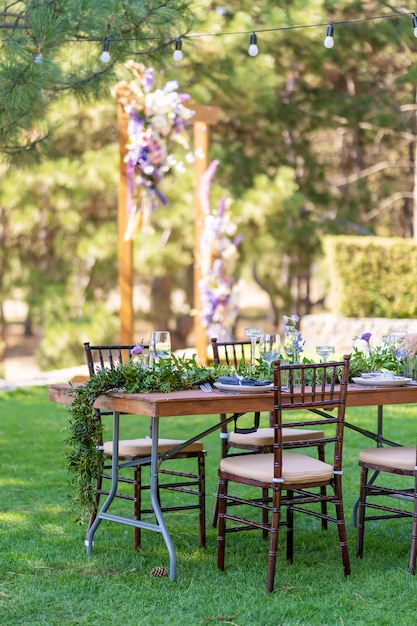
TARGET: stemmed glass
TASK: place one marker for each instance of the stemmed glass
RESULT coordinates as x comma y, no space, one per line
160,344
398,351
253,334
269,347
325,352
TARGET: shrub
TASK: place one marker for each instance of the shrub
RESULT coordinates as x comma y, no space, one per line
372,276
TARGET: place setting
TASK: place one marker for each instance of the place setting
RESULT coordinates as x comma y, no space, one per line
269,351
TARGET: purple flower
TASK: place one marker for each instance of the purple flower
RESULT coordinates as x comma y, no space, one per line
137,350
148,79
366,336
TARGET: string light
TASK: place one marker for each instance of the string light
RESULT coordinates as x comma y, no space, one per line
329,41
253,48
177,56
415,24
105,55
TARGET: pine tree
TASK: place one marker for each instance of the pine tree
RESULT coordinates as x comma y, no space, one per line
52,48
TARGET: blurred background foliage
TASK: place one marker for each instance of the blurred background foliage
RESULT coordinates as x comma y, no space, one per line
311,142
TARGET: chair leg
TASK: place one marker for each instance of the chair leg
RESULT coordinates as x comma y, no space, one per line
321,456
341,526
265,495
137,506
221,536
215,513
273,544
202,499
361,511
413,550
290,530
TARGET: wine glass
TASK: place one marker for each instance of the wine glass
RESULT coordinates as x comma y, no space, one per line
269,347
160,344
399,352
325,352
253,334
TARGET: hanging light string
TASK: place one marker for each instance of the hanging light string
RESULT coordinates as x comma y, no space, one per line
253,47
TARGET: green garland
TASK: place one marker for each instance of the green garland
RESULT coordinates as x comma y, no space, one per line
85,461
375,360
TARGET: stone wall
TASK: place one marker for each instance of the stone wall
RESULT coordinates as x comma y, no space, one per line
340,331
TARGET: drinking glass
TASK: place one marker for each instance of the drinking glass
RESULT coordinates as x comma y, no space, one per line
160,344
399,352
325,352
269,347
253,334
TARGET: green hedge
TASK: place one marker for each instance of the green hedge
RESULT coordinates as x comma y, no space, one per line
372,276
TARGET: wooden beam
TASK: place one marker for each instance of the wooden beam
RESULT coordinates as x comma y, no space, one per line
125,248
204,116
201,148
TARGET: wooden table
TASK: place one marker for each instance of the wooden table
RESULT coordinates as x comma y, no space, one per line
157,406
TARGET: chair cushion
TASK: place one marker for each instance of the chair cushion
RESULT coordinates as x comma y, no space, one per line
398,457
143,447
296,467
265,436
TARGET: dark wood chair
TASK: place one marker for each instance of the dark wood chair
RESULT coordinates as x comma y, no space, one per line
193,484
293,480
383,500
260,441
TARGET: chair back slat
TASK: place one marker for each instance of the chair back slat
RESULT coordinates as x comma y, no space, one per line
229,352
111,355
313,390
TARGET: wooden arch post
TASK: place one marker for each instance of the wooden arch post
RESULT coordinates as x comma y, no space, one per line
203,118
125,248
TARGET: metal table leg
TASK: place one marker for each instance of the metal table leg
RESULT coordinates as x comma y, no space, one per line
114,479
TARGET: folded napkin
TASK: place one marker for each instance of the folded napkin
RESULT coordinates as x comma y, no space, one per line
232,380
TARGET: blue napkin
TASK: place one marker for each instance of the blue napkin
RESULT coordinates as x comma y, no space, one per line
232,380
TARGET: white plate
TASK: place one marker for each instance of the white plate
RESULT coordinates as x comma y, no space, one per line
399,381
244,388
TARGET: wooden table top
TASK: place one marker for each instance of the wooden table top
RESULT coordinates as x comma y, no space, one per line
197,402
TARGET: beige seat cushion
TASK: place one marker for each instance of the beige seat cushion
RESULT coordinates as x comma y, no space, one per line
400,457
296,467
265,436
143,447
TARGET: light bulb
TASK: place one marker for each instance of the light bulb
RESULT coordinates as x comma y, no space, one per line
415,24
253,48
329,41
105,55
177,56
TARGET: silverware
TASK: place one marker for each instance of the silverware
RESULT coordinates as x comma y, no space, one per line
207,388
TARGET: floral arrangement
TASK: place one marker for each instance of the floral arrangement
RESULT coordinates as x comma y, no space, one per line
293,340
219,285
156,117
374,359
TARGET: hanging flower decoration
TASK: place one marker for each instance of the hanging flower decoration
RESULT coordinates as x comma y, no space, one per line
157,116
219,284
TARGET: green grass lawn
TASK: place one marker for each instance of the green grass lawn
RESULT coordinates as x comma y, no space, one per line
47,578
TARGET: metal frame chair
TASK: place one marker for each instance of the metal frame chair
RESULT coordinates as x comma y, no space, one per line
99,356
295,480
